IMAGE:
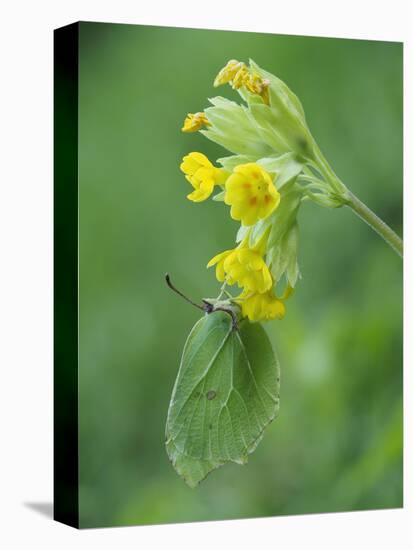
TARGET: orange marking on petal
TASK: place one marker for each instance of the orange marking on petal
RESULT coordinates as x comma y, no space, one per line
253,200
267,199
246,185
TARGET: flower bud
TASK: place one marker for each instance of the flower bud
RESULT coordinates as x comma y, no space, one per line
261,307
194,122
202,175
229,72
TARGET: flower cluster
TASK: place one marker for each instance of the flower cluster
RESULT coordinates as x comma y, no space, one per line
274,167
239,75
246,267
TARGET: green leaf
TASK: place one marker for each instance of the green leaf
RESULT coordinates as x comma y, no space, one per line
226,393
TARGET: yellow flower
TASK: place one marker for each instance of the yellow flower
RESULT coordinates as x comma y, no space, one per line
241,77
238,74
244,266
261,307
250,192
256,85
202,175
194,121
228,73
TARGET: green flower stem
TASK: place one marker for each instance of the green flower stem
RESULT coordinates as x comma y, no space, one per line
363,211
222,290
376,223
323,166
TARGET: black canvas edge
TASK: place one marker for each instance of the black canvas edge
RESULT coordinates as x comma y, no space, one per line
65,173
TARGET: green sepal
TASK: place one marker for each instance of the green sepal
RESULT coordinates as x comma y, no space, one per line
280,131
281,219
282,122
229,163
219,197
282,257
242,233
226,393
258,230
250,97
280,93
282,243
286,167
285,215
233,127
326,200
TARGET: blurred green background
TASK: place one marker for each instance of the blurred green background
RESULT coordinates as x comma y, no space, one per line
337,444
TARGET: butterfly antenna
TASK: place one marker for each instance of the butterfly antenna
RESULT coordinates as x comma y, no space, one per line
173,287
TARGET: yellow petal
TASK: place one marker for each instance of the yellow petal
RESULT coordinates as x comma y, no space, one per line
189,165
201,159
266,208
250,217
267,279
192,162
237,212
218,257
220,272
220,175
197,196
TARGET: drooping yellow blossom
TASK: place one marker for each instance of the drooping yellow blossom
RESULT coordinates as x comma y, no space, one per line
256,85
241,77
251,193
238,74
202,175
244,266
228,73
261,307
194,122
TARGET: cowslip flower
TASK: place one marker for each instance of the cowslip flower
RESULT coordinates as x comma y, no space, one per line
261,307
251,193
228,73
241,77
256,85
194,122
202,175
238,74
244,266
